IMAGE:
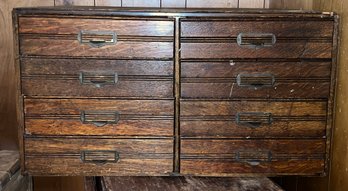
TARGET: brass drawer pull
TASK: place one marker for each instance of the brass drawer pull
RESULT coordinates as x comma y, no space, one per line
256,40
255,81
99,119
97,39
254,158
100,157
254,119
98,80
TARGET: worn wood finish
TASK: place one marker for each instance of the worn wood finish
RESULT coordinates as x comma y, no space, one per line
72,166
231,69
231,50
130,147
73,48
231,108
38,66
229,88
281,108
121,26
187,183
224,157
44,107
223,167
281,29
123,88
229,128
124,127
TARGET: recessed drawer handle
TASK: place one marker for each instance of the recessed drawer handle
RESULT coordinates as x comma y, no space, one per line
97,39
99,119
98,80
256,40
100,157
254,158
255,81
254,119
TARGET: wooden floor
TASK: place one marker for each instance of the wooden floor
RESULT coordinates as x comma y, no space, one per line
185,184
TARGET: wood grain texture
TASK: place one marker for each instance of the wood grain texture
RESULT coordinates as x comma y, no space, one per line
251,4
281,29
215,128
141,3
230,108
72,48
61,183
36,107
279,50
114,3
215,89
187,183
212,4
72,166
136,68
74,2
231,69
123,88
134,27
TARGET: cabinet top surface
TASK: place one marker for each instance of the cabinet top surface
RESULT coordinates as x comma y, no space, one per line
171,12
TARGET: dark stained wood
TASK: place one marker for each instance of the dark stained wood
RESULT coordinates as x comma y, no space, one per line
124,127
227,157
37,107
231,89
281,29
188,183
73,48
72,166
223,167
123,88
231,50
130,147
231,69
278,148
38,66
215,128
129,27
231,108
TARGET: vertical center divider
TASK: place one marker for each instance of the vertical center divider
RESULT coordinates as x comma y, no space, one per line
177,95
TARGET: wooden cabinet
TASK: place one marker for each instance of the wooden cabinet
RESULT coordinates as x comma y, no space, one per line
135,92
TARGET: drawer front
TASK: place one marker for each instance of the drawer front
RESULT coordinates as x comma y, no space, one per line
135,68
202,88
99,117
226,157
130,27
231,50
99,156
252,119
231,69
98,85
281,29
122,49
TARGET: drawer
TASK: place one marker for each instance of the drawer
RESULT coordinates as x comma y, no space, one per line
279,50
226,157
281,28
252,119
98,84
74,67
72,47
72,26
253,86
122,157
230,70
99,117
